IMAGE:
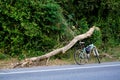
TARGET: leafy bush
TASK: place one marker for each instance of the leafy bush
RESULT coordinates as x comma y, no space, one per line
2,56
30,25
33,27
102,13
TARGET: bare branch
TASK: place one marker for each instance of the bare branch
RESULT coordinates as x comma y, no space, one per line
29,61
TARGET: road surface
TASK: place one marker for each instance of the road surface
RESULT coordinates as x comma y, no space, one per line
103,71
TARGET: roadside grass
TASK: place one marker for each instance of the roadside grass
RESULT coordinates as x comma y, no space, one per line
112,54
7,63
115,53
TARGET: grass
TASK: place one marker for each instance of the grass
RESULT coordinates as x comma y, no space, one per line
67,58
7,63
115,52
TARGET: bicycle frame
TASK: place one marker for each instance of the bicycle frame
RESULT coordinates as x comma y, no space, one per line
91,46
82,55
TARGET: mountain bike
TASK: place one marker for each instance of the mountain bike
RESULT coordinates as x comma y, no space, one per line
82,55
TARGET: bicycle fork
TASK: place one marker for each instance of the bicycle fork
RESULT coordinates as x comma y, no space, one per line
95,52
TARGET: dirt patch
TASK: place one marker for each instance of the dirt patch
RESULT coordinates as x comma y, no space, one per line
60,62
6,64
112,55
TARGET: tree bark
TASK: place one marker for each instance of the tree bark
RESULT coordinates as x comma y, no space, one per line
30,61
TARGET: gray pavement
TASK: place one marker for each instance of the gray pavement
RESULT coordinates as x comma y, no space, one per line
103,71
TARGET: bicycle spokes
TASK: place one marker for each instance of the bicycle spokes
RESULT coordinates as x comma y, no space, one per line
80,57
83,56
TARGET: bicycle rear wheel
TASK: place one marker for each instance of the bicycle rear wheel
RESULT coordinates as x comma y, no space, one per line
80,57
96,54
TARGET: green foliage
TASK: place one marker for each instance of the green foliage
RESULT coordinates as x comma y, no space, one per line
102,13
33,27
2,56
82,25
96,38
30,26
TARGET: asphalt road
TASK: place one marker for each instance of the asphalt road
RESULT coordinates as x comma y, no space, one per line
103,71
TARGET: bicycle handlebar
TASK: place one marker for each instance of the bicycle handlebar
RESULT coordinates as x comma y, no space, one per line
81,42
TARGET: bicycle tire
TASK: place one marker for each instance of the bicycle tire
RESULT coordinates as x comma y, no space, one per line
80,57
97,55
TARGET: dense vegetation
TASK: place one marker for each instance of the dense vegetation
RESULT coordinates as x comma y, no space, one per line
33,27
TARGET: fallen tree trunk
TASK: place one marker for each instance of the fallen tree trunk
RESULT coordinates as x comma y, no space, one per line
31,61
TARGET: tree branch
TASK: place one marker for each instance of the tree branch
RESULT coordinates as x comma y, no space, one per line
30,61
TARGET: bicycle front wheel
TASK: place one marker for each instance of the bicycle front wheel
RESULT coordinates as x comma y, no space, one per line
80,57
